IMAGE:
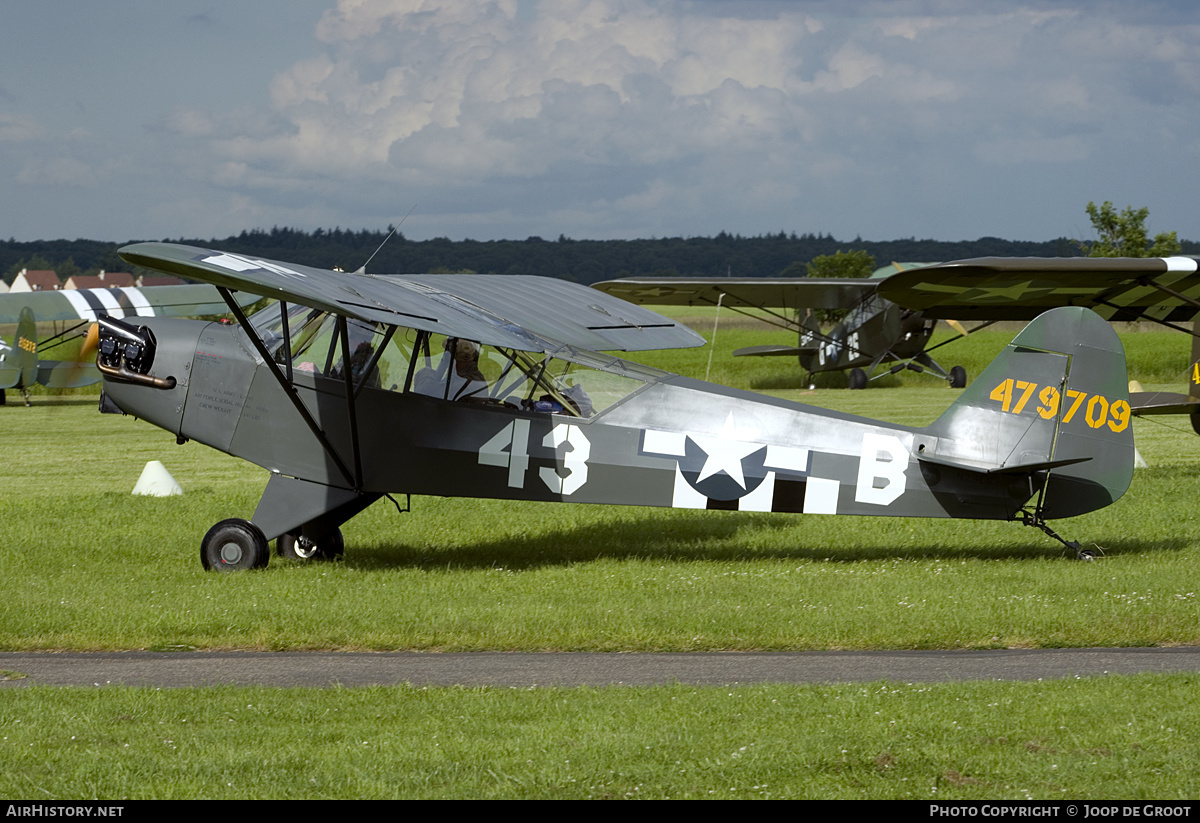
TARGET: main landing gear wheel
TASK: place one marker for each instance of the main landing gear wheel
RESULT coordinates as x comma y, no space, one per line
233,546
297,547
958,378
858,379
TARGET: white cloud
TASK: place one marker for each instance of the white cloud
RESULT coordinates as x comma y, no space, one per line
18,127
698,110
59,171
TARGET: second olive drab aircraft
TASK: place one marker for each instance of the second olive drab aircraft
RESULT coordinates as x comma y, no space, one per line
21,367
352,386
875,332
1160,290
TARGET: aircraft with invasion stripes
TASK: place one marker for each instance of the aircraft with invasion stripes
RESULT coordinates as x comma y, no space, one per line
21,367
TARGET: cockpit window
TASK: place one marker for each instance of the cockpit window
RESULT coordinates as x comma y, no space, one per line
571,382
316,346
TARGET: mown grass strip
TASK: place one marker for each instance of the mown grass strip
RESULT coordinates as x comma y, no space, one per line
1099,738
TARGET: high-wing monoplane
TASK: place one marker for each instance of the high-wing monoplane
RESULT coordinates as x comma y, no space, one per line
356,386
875,332
20,364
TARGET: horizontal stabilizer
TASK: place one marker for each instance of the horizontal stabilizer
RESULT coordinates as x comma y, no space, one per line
767,351
1011,468
62,374
1163,402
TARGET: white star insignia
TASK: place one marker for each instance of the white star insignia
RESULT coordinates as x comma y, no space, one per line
725,453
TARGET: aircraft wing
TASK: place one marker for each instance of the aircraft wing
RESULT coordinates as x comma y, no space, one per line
750,292
509,311
1160,289
190,300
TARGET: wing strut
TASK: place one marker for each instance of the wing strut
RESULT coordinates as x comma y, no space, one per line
1165,323
287,387
1149,281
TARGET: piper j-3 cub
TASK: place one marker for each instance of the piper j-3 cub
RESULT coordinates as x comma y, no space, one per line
356,386
876,338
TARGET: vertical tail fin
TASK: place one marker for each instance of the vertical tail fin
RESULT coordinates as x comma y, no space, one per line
1054,405
26,348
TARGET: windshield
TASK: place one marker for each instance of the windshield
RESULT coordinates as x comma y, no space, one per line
569,381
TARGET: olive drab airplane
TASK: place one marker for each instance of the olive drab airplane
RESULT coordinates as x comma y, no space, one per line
875,332
352,386
20,366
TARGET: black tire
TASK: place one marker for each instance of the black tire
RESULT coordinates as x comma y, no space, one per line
329,547
858,379
958,378
234,545
3,398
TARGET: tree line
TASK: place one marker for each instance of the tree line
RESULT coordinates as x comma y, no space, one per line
583,261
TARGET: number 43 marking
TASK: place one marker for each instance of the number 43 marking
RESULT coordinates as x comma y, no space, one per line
510,448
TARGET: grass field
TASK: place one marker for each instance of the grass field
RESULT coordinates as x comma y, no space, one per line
87,566
1095,738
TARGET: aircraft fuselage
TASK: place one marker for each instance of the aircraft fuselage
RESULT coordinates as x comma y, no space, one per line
668,441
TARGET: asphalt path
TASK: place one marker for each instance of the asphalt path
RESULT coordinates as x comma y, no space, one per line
517,669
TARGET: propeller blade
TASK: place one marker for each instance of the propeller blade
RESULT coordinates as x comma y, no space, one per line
90,343
958,327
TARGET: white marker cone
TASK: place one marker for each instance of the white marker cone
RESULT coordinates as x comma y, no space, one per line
156,481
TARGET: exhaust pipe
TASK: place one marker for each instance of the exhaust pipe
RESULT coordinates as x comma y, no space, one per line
126,353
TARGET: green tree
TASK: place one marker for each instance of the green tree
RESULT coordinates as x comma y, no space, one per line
1124,234
854,263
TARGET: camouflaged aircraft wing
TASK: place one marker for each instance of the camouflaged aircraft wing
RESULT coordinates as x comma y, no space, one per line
189,300
1159,289
754,292
509,311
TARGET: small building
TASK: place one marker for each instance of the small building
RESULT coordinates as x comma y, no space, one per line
103,280
36,280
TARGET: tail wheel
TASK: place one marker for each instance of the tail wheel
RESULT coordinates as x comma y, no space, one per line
858,379
958,378
234,545
297,547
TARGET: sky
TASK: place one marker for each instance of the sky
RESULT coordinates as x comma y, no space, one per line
596,119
